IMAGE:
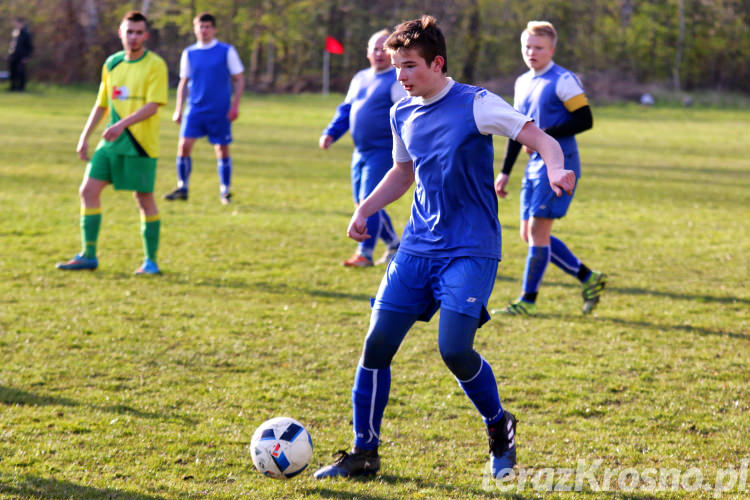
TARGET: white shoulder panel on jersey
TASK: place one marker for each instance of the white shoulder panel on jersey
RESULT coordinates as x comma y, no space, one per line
233,62
400,153
493,115
568,86
184,65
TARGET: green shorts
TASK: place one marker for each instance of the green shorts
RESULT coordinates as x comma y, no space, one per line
126,173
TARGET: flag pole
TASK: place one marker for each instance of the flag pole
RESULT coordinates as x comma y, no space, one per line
326,72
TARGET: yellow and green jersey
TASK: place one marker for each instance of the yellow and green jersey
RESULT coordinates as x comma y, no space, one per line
125,88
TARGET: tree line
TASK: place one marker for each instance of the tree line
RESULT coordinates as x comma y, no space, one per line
684,44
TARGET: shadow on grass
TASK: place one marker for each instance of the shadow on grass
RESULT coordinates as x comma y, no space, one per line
11,396
655,326
458,491
680,328
53,489
277,288
656,293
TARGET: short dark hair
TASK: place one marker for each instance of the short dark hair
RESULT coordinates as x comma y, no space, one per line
205,17
135,16
424,36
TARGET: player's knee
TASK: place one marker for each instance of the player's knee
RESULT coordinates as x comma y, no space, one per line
88,192
377,352
459,361
184,148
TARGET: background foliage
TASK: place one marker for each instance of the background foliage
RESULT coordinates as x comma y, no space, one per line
617,45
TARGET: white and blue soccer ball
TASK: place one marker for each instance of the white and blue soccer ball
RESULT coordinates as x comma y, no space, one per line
281,448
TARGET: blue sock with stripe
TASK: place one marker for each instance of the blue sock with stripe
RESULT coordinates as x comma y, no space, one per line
184,167
387,232
224,168
536,264
563,258
369,397
482,391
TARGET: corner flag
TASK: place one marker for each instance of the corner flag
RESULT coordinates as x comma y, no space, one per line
334,46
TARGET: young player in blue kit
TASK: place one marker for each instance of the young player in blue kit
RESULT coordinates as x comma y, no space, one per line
554,98
365,112
211,79
442,135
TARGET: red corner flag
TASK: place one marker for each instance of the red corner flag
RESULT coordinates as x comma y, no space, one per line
334,46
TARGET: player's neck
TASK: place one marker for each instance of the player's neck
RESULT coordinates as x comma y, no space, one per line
439,84
208,43
133,55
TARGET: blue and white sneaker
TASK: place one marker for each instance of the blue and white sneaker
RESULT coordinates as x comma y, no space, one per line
357,463
148,267
503,445
78,263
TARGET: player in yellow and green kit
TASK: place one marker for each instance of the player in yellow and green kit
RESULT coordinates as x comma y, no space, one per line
133,88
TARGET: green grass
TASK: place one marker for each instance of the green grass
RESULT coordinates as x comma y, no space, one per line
141,389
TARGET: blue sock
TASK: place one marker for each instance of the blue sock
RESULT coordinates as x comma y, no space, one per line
482,391
224,167
369,397
184,167
387,232
536,264
367,247
563,258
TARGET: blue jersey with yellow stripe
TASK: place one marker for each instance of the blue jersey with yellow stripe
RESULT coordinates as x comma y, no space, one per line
549,97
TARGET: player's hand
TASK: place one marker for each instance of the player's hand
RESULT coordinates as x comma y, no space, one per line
562,180
357,229
177,116
83,149
325,141
500,183
528,150
233,114
112,132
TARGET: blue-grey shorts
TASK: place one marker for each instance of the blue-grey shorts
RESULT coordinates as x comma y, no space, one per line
217,127
422,285
537,197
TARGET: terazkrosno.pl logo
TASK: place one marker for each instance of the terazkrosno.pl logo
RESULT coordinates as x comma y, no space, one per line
591,476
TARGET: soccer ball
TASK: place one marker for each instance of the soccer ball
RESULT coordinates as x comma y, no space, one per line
281,448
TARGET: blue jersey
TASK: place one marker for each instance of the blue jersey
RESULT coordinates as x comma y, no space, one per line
549,98
210,85
454,211
365,111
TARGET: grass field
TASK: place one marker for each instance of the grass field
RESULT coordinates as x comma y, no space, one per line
126,388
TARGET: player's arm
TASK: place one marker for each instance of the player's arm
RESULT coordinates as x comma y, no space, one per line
182,87
338,126
146,111
182,91
579,121
340,122
396,182
238,86
570,92
511,154
236,69
96,115
549,149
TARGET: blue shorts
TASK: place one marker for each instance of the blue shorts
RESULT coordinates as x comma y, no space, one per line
367,171
421,286
218,128
537,197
